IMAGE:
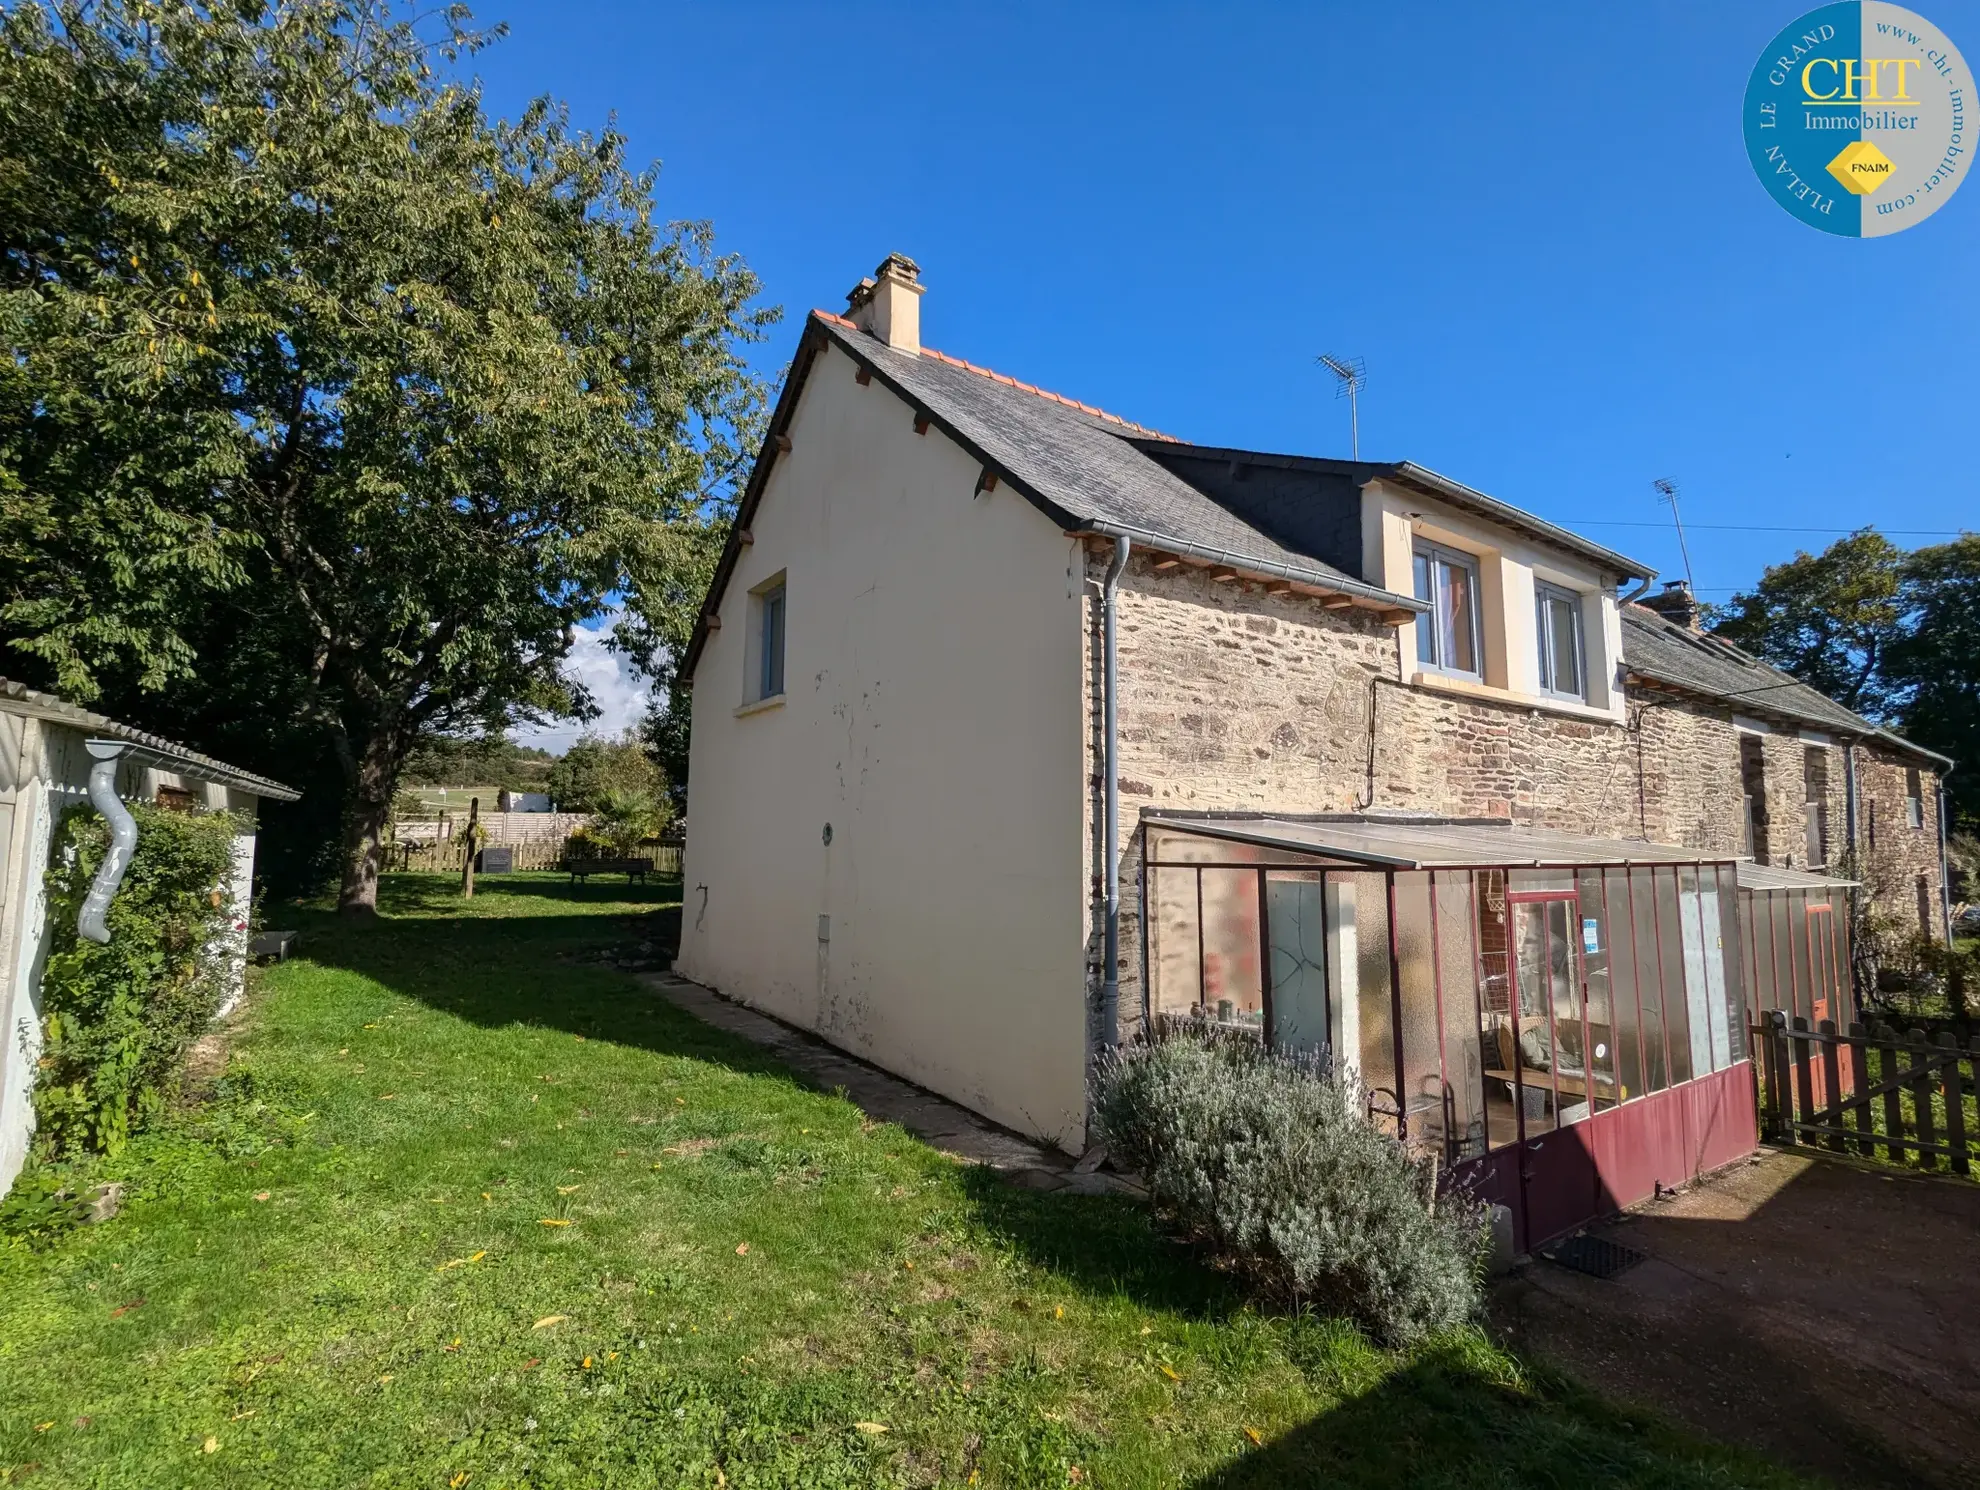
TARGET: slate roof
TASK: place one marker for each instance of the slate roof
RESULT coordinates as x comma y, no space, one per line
1664,652
18,698
1073,460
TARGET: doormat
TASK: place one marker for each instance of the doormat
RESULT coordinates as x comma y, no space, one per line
1596,1256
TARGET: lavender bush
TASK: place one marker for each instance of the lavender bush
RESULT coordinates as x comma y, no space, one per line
1271,1161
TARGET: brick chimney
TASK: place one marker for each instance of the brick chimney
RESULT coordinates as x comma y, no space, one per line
888,306
1675,603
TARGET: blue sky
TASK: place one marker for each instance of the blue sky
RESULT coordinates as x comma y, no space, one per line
1542,234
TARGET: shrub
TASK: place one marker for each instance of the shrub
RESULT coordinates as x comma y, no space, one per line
117,1018
1272,1163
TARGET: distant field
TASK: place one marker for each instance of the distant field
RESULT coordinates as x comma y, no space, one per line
455,799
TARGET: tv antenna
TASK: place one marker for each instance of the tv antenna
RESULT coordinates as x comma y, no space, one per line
1667,490
1352,373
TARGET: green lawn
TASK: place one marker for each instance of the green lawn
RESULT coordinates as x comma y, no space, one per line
466,1212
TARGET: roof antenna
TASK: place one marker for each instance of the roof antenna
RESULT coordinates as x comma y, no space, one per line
1353,375
1667,489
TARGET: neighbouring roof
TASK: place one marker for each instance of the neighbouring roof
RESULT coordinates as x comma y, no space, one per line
18,698
1659,650
1429,483
1754,876
1430,843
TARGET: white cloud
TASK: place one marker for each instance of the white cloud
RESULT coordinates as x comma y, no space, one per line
621,693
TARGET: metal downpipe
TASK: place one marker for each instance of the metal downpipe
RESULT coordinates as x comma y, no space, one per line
1110,968
123,839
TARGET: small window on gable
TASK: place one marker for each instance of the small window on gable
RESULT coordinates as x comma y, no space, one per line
1914,798
1447,638
765,677
1563,654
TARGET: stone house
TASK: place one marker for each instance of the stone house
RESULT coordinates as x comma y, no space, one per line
1399,772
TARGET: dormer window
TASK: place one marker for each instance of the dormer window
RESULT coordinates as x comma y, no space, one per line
1447,638
1557,624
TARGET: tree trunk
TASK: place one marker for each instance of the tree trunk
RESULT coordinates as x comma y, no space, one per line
364,828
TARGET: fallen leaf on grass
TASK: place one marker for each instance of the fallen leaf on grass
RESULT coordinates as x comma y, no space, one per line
742,1250
211,1446
452,1262
532,1363
566,1189
250,1412
385,1378
1257,1438
585,1364
477,1256
455,1348
387,1096
1060,1312
549,1319
486,1196
1170,1372
458,1480
122,1309
44,1427
261,1195
553,1221
875,1428
373,1025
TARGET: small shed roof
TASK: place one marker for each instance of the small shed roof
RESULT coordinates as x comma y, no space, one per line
1754,876
18,698
1432,843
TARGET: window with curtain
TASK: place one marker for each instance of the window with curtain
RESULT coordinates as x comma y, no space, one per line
1557,625
1448,637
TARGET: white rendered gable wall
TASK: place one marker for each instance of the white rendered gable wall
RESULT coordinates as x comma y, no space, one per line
932,717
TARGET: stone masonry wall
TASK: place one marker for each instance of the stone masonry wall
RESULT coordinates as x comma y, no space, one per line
1234,699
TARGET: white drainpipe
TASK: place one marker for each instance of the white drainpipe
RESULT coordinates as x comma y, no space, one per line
123,838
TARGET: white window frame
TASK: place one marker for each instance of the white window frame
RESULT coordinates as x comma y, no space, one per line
1437,553
1543,620
767,653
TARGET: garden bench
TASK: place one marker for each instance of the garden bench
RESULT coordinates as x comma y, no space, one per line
632,869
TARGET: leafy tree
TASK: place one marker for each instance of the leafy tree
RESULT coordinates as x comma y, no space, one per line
1936,664
592,769
625,819
667,728
1827,618
1891,634
308,352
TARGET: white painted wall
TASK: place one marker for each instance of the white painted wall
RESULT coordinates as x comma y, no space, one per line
932,716
1508,564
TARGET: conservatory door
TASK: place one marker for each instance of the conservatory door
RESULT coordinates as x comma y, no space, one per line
1558,1180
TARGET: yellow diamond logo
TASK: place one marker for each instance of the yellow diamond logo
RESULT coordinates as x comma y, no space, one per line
1861,167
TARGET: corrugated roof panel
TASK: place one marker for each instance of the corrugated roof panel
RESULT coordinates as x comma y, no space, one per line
1754,876
1434,843
25,700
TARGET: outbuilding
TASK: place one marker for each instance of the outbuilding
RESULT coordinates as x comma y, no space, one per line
50,750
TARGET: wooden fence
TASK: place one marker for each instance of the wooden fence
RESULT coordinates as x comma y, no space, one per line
1869,1091
449,855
